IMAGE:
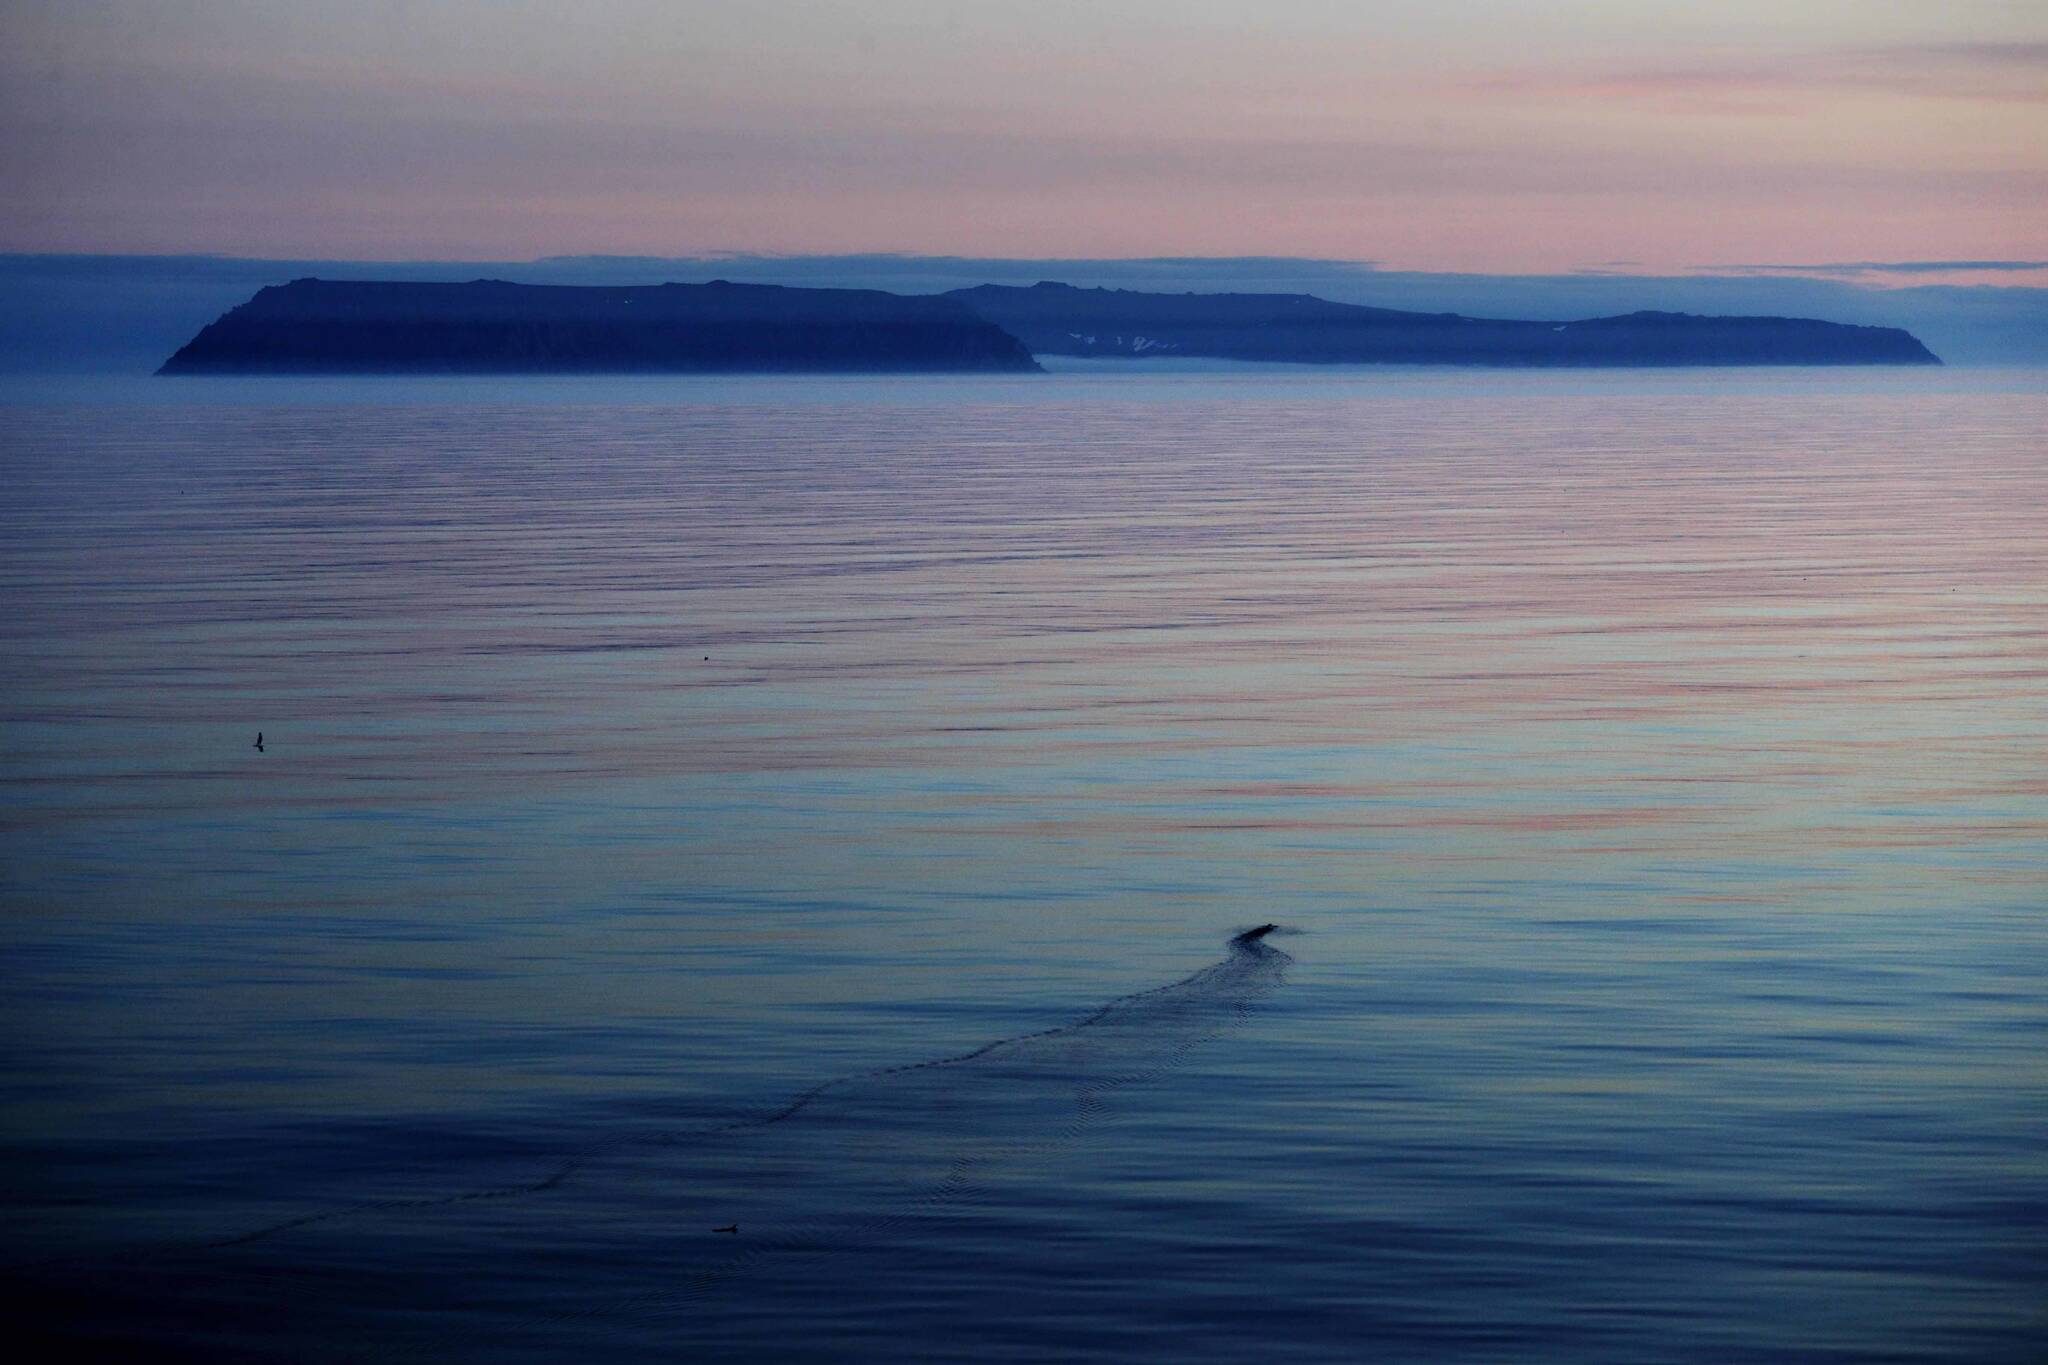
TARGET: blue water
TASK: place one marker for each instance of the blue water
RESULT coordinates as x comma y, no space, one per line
672,789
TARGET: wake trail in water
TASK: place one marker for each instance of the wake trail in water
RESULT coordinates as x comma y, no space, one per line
909,1140
830,1170
1127,1039
1248,948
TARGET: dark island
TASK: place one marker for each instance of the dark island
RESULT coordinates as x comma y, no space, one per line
494,327
1059,319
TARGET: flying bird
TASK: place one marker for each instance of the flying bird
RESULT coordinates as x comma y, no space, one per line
259,741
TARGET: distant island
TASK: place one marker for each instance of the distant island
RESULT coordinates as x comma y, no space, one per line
1058,319
494,327
315,326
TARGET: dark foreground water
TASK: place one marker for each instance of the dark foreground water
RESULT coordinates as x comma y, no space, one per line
669,795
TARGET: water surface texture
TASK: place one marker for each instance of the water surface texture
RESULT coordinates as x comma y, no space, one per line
826,810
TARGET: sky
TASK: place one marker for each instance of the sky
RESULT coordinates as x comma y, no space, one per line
1897,143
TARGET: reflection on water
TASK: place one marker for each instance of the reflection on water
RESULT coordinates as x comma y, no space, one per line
1657,777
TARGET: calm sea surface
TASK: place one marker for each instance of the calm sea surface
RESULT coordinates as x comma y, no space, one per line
824,808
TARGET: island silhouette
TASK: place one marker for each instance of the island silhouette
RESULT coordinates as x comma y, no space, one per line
313,326
1059,319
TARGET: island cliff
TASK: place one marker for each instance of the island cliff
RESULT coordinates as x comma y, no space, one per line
1059,319
493,327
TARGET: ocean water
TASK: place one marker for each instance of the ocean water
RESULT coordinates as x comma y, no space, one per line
825,809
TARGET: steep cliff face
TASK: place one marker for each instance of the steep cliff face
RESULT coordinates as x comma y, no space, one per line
1058,319
489,326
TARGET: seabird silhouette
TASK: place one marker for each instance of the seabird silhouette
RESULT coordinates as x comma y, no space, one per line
259,741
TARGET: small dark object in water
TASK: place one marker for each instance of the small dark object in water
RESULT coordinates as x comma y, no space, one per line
259,741
735,1227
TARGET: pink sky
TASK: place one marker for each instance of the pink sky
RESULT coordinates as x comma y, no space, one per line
1450,135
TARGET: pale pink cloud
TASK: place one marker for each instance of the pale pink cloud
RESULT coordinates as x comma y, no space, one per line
1778,83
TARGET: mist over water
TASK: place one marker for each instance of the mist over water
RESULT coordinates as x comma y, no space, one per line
1654,773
